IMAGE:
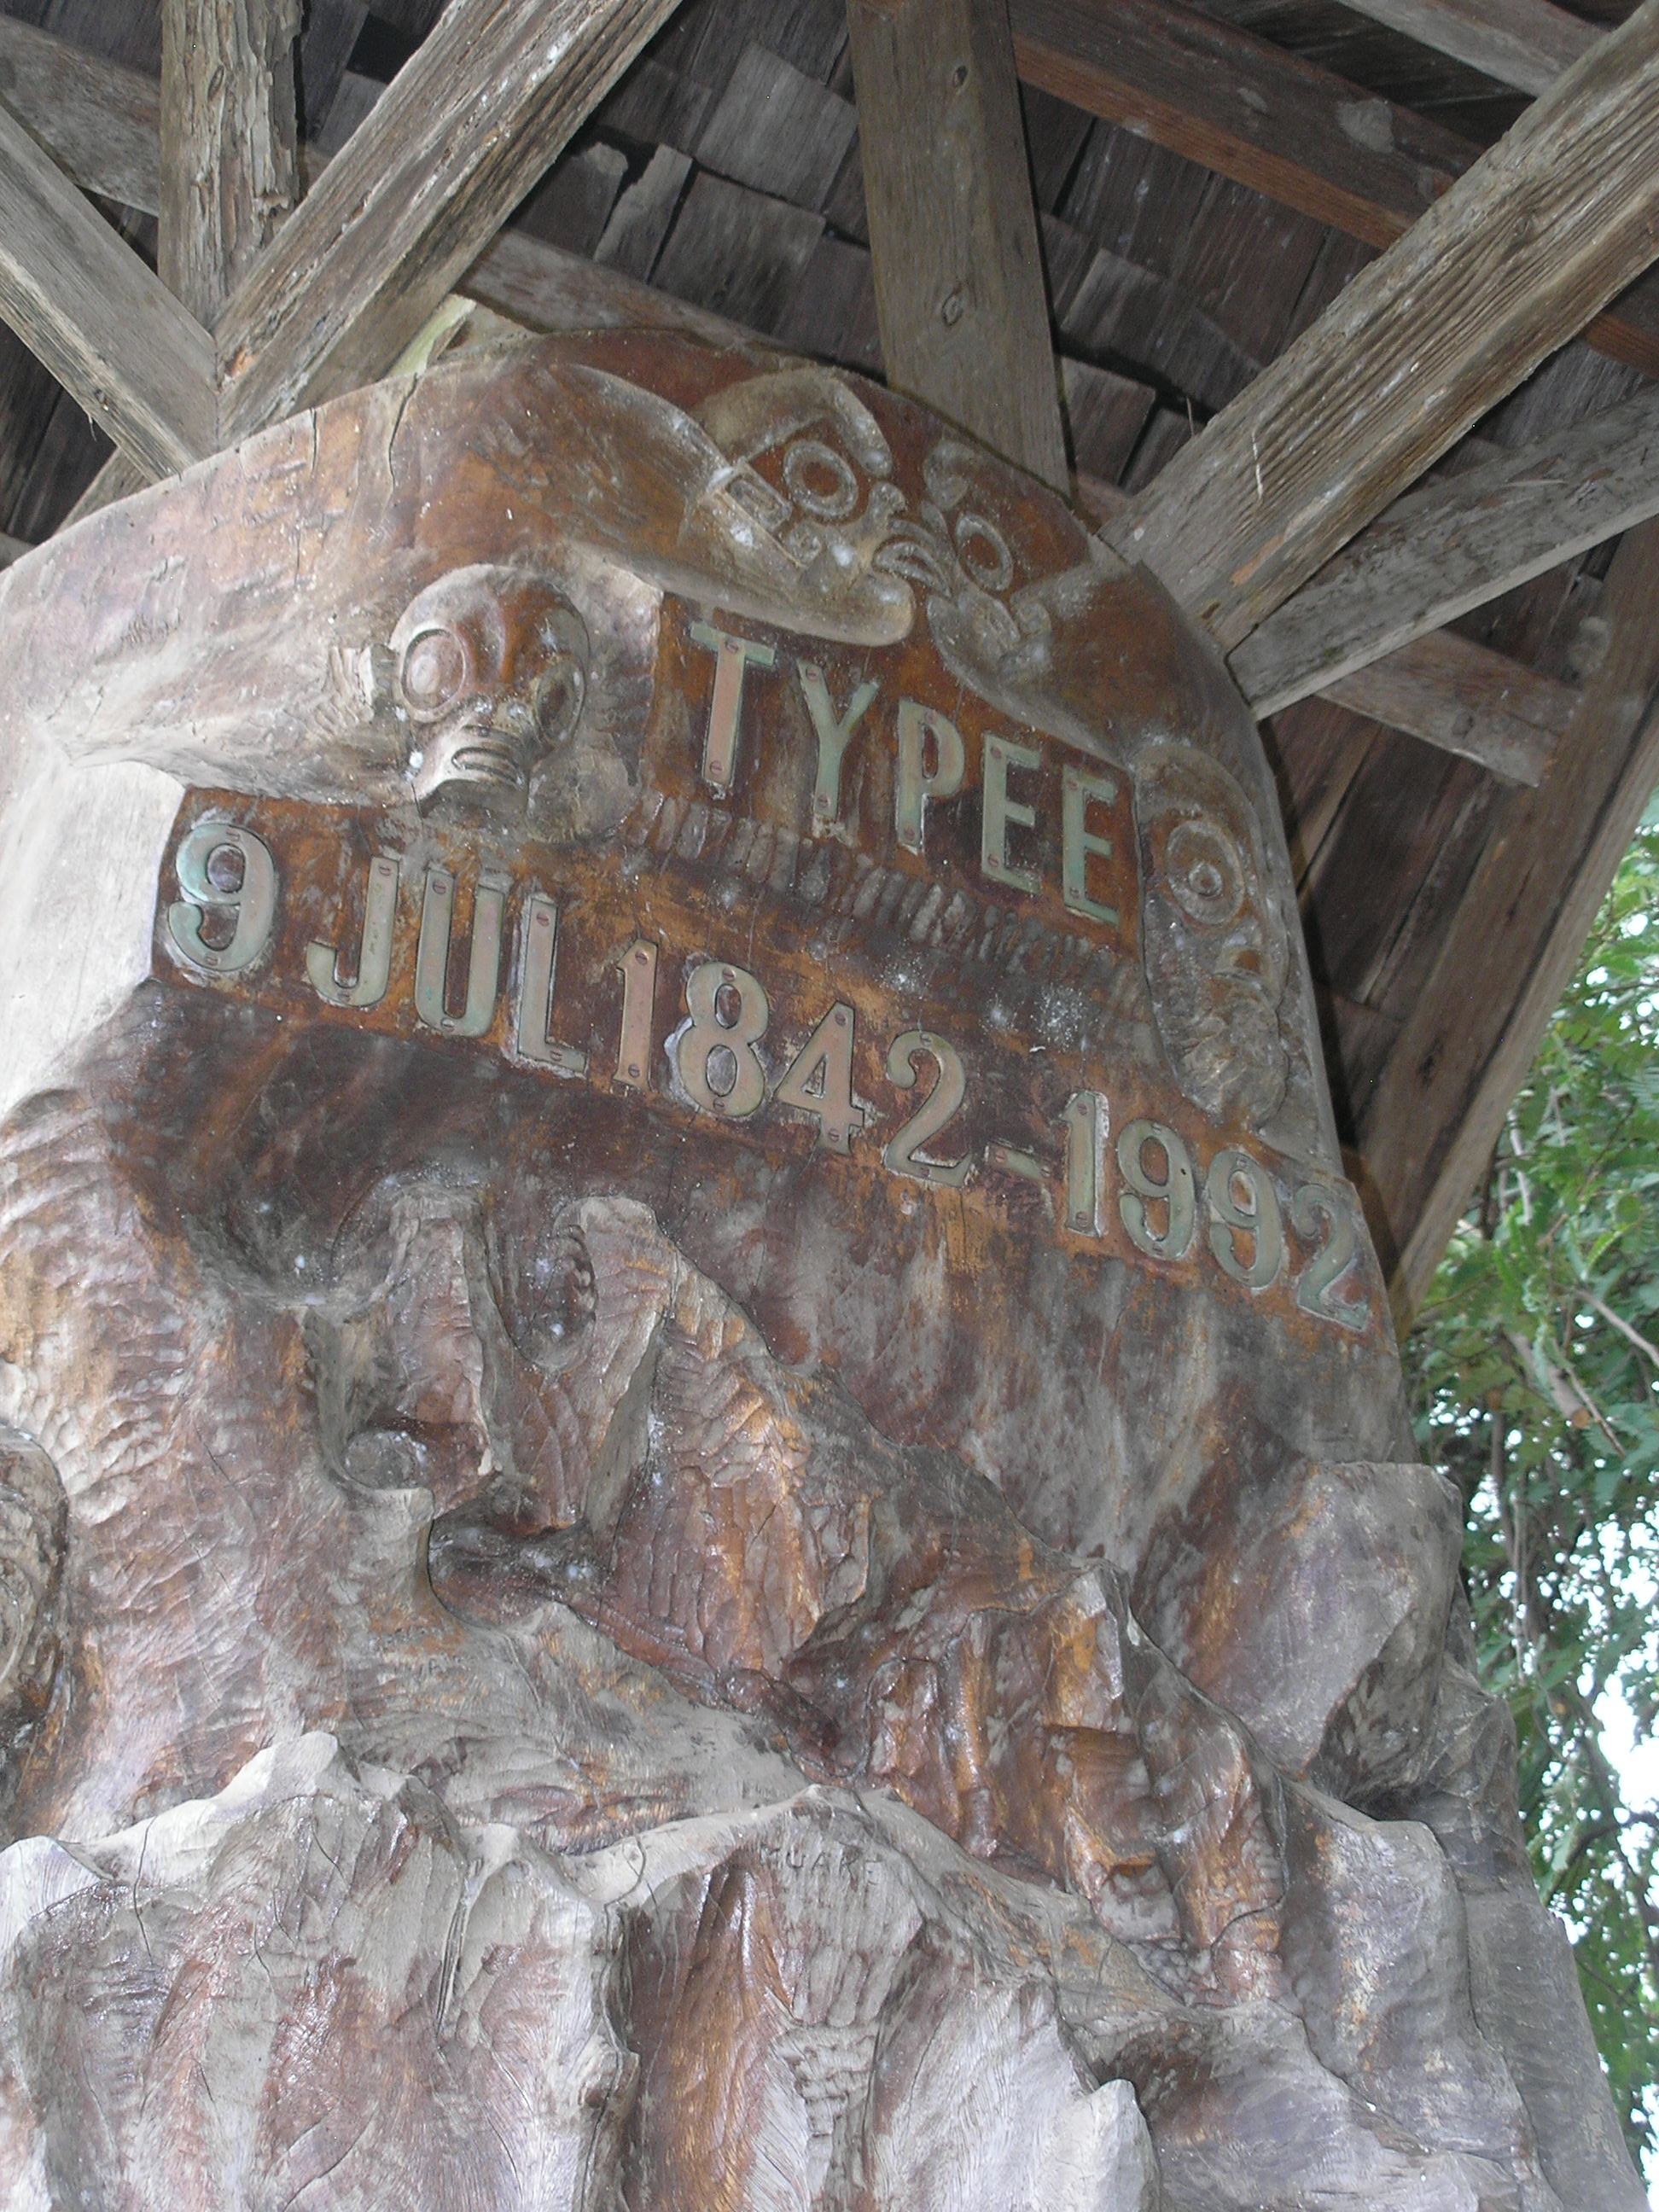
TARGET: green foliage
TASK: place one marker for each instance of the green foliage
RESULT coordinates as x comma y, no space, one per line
1535,1374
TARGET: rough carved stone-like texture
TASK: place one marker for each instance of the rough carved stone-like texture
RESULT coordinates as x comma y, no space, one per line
703,1492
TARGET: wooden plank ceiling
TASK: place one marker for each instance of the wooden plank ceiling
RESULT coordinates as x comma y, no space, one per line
1258,266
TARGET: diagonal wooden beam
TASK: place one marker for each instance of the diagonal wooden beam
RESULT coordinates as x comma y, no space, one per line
960,296
100,122
229,165
1512,263
108,329
1441,551
1244,107
1427,1130
469,125
1465,699
1524,42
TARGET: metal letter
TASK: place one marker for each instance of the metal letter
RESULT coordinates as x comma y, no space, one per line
734,656
374,960
997,810
1078,841
833,737
534,1040
1085,1145
915,786
639,967
484,963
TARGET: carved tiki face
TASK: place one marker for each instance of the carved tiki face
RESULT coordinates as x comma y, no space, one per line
1215,948
492,674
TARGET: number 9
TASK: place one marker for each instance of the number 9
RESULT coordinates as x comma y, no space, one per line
205,865
1233,1222
1176,1192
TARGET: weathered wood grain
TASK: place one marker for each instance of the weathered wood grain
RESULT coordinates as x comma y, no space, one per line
468,126
100,123
110,332
332,29
742,253
1525,43
1219,96
1464,698
1440,551
1239,105
778,131
1514,260
546,289
1428,1129
1105,415
639,222
229,171
959,288
119,478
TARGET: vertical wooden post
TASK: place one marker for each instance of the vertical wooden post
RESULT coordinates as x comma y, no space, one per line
229,167
959,285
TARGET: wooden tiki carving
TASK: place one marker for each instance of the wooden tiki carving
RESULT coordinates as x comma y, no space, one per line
704,1499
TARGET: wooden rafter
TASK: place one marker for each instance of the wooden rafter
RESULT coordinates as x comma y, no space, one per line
100,123
1239,105
1463,698
470,124
1512,263
953,232
109,331
1525,43
1440,551
1428,1129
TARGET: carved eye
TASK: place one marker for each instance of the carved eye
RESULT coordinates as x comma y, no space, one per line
558,701
546,1296
820,481
983,551
434,673
1205,872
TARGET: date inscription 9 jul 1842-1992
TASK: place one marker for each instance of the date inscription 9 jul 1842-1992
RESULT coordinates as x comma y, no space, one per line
555,972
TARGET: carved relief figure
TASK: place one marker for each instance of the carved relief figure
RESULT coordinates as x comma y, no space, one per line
1214,945
568,1638
492,672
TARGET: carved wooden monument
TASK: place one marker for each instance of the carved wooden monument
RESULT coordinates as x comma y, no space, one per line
706,1501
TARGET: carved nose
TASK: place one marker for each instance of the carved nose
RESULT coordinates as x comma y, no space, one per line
1241,951
428,1422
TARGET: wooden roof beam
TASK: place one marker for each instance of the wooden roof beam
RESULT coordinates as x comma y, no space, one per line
1245,108
1441,551
1524,42
960,295
1427,1130
1509,263
467,127
100,122
109,331
1463,698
